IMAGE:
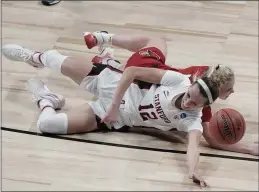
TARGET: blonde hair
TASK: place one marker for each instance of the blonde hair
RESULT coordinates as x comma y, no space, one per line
220,74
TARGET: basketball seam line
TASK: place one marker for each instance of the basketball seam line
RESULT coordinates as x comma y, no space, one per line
232,124
218,126
243,121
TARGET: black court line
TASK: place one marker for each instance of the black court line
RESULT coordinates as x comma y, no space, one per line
125,146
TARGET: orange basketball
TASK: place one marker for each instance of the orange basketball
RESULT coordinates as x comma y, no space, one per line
227,126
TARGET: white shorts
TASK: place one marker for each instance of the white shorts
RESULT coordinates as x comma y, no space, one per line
102,82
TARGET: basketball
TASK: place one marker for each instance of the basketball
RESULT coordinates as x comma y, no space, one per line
227,126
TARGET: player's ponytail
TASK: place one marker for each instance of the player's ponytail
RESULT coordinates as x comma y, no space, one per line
221,75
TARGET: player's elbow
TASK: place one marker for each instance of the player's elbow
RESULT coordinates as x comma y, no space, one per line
131,71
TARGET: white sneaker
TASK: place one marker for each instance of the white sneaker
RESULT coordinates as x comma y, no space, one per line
40,91
18,53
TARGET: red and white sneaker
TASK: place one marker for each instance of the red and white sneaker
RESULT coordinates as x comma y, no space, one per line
105,54
98,38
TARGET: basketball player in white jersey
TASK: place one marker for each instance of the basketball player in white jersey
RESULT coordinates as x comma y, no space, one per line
84,73
167,100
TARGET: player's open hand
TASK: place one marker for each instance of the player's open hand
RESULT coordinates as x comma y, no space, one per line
111,115
196,178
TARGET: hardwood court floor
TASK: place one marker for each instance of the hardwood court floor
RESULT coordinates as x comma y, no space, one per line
197,33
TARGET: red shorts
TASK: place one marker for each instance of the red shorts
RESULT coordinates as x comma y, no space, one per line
148,57
153,57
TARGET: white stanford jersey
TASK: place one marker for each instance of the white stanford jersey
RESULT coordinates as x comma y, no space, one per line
153,106
144,104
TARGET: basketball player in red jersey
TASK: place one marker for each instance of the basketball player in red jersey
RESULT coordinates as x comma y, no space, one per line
151,53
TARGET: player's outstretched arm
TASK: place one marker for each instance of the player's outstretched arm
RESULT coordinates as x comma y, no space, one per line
193,157
240,147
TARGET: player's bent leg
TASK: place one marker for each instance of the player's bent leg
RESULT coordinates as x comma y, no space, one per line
63,123
129,42
103,38
75,68
72,122
136,42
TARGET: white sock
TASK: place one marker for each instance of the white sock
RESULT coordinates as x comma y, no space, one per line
36,57
45,103
51,59
51,122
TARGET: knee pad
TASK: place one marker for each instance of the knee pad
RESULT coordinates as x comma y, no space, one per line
55,124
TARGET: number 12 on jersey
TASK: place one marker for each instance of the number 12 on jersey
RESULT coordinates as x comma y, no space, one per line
147,115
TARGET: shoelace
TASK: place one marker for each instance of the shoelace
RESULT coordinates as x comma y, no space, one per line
21,53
